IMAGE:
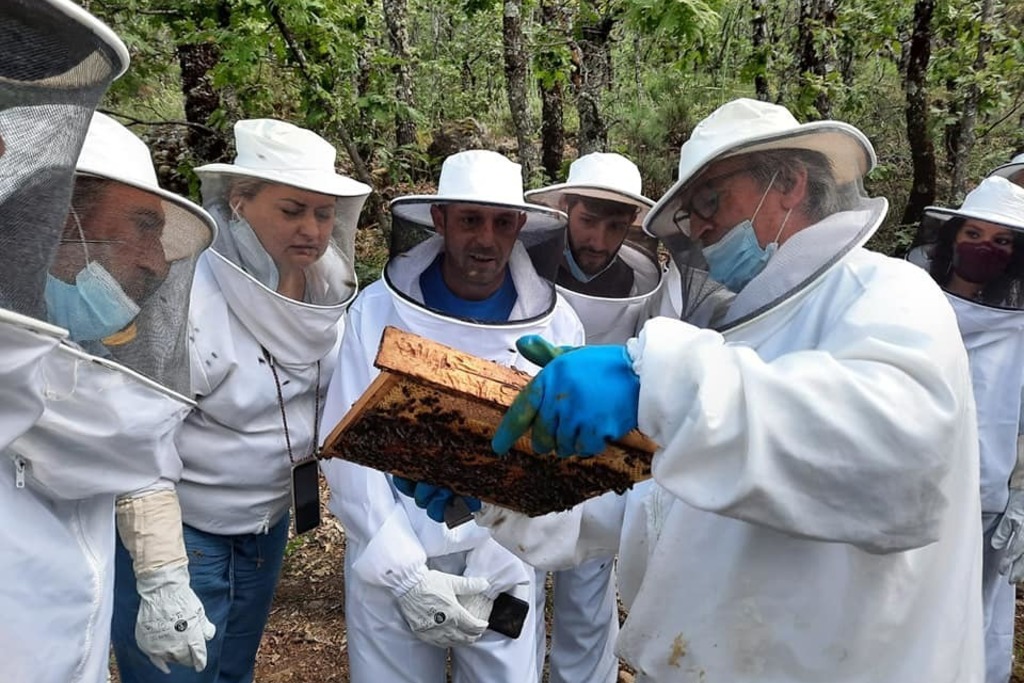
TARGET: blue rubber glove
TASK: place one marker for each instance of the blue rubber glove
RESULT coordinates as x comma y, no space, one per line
433,499
580,400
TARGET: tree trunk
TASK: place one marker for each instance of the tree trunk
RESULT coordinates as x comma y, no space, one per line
201,99
760,49
922,152
195,61
515,84
555,20
969,110
817,19
395,13
364,83
594,76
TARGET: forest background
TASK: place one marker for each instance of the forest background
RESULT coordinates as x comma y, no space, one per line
397,85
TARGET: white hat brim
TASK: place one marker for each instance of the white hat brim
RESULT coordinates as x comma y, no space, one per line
416,208
199,215
943,214
1008,170
552,195
848,149
102,31
332,184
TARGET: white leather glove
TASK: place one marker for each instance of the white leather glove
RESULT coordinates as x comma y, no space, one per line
1009,538
478,604
172,624
434,613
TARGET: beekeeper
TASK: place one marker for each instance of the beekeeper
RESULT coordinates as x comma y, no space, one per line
266,318
459,273
814,510
609,274
103,274
976,253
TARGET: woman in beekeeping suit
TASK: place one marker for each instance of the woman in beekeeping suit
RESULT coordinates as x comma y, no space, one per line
976,253
267,315
93,300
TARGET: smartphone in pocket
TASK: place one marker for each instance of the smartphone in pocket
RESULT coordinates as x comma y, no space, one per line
508,615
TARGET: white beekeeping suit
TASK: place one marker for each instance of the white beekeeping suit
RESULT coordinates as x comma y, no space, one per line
393,549
813,514
237,313
104,429
603,200
266,315
976,253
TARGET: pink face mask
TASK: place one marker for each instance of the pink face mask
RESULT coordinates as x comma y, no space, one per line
979,262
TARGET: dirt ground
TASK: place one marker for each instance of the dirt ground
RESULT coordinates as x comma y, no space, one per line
305,639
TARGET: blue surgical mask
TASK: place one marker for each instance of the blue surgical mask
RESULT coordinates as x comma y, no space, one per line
737,258
574,268
93,308
254,258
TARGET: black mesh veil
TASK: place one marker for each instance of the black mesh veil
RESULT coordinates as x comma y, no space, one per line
976,252
533,261
54,68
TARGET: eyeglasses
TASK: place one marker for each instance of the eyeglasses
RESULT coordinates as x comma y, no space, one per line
705,199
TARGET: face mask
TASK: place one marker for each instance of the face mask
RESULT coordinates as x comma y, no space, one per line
737,258
254,258
93,308
979,262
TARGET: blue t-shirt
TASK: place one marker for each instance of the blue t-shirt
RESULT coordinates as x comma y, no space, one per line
494,309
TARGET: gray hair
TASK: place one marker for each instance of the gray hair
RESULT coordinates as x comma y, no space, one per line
823,197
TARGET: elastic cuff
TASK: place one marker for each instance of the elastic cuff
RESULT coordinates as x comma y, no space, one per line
408,582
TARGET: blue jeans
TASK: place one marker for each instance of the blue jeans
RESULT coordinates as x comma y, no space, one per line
235,578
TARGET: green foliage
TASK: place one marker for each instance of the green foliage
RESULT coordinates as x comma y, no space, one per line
678,21
673,62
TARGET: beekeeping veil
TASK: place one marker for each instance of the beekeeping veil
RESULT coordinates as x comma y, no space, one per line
120,280
635,273
277,152
981,243
835,156
486,179
56,61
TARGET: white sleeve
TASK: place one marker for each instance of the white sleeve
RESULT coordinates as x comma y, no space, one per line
375,522
562,539
1017,476
502,569
848,442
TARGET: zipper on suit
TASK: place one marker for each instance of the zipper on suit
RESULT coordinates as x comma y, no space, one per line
19,472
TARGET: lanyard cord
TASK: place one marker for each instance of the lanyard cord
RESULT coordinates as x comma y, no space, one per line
284,417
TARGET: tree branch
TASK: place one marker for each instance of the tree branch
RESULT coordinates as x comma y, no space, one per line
300,58
1016,105
132,121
